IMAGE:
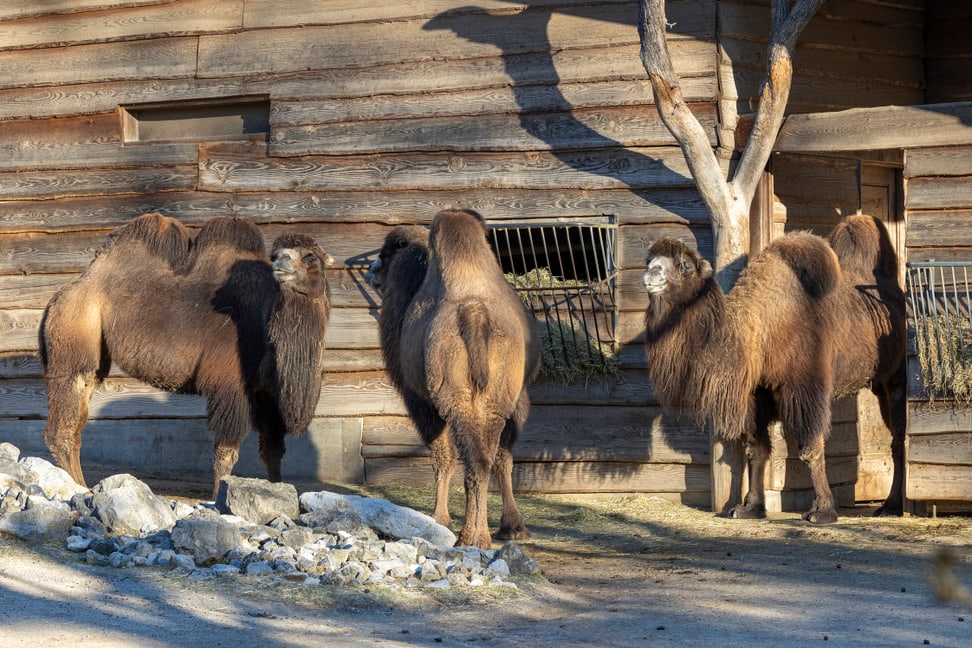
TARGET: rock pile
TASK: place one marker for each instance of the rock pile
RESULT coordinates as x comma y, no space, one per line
254,528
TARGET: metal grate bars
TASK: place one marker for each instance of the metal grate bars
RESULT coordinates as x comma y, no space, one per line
567,274
941,304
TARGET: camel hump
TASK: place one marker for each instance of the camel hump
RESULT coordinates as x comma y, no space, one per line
811,260
235,231
164,236
475,328
863,245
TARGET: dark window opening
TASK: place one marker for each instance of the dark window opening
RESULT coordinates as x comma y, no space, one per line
566,273
233,119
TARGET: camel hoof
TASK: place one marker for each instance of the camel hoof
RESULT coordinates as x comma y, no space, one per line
483,541
747,512
519,532
889,510
820,517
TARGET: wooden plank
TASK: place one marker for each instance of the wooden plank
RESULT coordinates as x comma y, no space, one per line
790,473
938,161
485,101
185,17
880,68
101,97
694,61
947,228
874,29
672,205
162,58
582,434
48,184
182,449
938,418
447,36
30,291
936,482
948,448
14,9
348,328
342,395
814,94
553,477
81,142
877,128
266,13
586,128
949,193
949,79
236,168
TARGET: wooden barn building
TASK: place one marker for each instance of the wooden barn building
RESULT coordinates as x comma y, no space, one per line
342,119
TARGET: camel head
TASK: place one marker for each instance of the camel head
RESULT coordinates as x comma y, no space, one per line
397,240
675,270
299,263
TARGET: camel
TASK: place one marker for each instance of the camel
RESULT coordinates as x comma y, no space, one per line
461,349
809,320
214,316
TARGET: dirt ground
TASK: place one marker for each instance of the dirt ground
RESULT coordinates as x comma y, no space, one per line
621,571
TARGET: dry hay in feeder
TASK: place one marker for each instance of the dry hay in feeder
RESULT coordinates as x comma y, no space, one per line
569,353
944,345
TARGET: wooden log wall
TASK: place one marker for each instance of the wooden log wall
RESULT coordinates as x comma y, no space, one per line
380,115
938,184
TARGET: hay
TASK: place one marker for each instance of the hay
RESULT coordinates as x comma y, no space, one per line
944,345
570,354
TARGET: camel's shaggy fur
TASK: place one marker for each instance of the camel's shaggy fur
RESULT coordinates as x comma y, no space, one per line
461,349
806,322
214,316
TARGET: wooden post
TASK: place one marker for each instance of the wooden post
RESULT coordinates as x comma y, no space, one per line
728,466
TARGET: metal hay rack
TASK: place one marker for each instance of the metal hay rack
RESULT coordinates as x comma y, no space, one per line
941,305
567,274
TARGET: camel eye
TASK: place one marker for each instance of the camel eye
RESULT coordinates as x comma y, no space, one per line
684,267
310,260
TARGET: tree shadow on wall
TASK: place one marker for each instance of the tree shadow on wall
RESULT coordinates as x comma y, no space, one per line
547,115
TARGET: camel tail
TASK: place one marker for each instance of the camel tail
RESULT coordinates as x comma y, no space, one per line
474,328
862,245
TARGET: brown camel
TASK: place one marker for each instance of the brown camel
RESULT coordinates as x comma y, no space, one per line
214,316
461,348
808,320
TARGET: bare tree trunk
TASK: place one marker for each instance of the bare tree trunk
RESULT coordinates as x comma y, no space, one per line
728,200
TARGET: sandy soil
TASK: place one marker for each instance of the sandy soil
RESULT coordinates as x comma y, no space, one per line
627,571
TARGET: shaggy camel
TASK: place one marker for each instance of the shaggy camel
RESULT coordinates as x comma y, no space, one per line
806,322
214,316
397,275
461,348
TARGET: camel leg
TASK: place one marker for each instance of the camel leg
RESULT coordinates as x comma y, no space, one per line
67,414
229,423
443,467
431,427
224,458
270,427
511,522
893,411
757,454
477,448
824,509
758,447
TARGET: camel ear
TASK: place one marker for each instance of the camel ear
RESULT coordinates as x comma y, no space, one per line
705,269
